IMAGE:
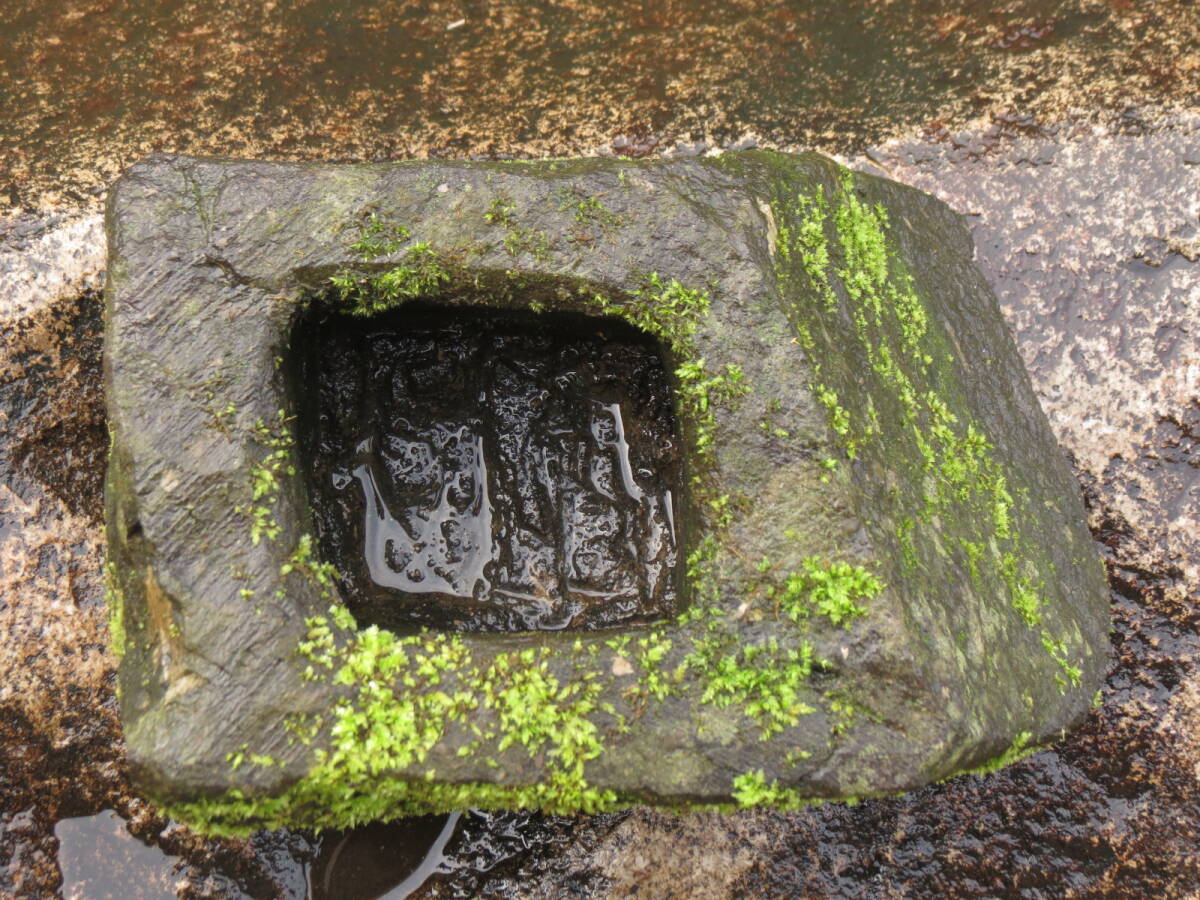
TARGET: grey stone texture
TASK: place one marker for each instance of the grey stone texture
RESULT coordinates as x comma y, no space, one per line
211,262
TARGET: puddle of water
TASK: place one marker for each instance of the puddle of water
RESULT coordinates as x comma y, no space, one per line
101,860
380,861
487,471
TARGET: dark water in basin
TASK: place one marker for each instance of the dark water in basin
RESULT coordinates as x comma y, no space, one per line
490,471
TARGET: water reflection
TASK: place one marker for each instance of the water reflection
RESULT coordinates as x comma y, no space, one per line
488,471
381,861
101,860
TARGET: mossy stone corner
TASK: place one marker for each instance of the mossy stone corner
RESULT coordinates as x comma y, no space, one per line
889,578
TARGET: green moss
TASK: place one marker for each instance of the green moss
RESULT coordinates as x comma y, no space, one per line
501,211
1070,674
115,598
764,680
828,589
839,419
518,241
326,804
752,789
405,693
669,311
542,715
836,245
533,242
768,425
701,571
378,236
1018,750
672,313
304,560
698,391
422,273
265,476
653,681
844,711
590,211
805,242
237,757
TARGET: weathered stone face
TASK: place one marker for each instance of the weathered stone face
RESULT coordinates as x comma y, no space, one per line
888,579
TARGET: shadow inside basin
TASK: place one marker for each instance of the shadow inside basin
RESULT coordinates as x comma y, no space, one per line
486,470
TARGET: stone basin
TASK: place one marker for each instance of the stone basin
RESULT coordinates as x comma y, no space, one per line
883,573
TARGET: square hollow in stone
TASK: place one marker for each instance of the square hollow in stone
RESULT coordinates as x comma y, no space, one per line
485,470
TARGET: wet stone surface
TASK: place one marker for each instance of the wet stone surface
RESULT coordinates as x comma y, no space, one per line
491,472
382,859
824,580
90,86
1110,811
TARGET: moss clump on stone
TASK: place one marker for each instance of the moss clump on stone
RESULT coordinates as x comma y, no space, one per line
752,789
531,241
378,236
672,312
591,211
517,241
651,653
422,273
829,589
666,309
501,211
1021,748
764,680
266,476
405,692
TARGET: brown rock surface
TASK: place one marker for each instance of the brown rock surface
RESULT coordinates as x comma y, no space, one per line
90,86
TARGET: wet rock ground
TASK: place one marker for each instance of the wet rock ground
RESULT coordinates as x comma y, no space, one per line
1066,132
89,86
